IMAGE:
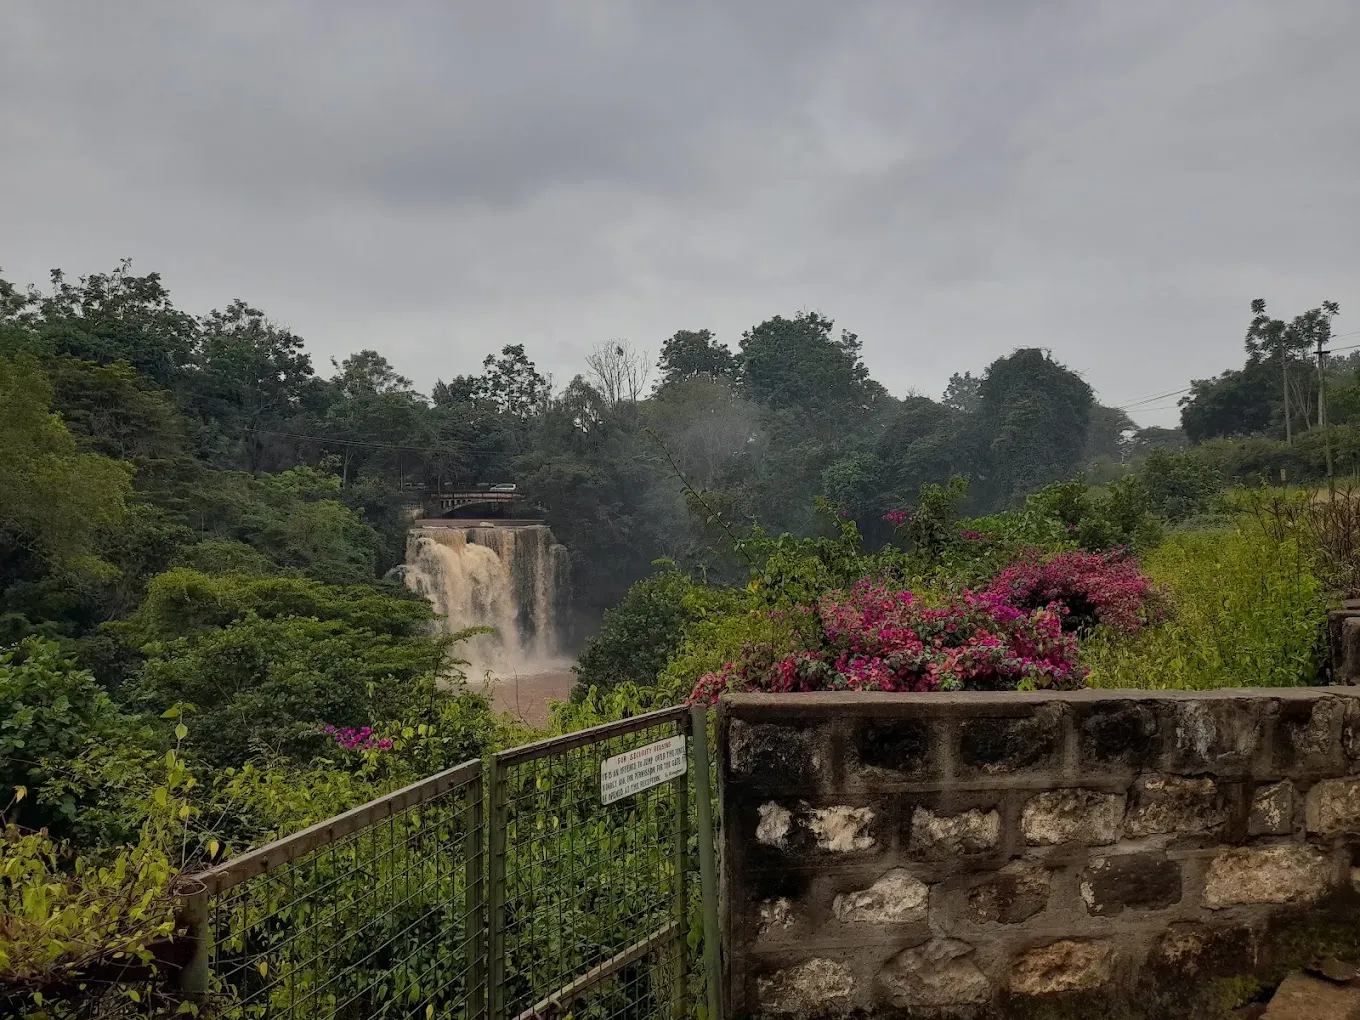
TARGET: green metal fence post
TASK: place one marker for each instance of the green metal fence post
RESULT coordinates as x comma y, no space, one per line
708,872
474,893
679,1006
500,817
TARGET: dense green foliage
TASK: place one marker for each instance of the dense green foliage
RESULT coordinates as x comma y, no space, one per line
195,528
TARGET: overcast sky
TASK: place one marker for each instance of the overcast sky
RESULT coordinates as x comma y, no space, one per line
1112,180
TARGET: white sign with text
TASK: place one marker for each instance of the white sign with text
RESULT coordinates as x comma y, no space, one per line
642,768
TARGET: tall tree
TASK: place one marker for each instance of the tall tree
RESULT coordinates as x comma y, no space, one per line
689,353
797,364
1036,413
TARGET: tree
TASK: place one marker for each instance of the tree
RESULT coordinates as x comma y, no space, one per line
1110,433
688,354
250,373
964,392
109,317
1239,402
618,372
512,384
1036,414
54,501
1289,345
796,364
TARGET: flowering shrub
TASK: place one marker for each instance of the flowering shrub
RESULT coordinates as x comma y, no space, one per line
878,639
1088,588
895,517
361,739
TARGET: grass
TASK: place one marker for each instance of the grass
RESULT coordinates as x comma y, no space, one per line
1245,609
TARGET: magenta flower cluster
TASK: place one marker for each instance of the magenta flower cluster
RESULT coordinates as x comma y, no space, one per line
896,517
362,739
880,639
1089,588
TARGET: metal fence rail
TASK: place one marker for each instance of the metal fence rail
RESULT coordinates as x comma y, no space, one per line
588,901
499,893
373,913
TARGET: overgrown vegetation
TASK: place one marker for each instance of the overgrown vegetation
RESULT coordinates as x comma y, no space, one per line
201,651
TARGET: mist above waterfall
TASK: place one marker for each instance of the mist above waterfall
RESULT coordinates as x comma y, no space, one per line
513,579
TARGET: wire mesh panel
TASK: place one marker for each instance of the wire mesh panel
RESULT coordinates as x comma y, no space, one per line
589,901
377,913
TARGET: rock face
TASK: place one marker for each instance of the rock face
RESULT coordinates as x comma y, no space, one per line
1139,881
896,898
1065,966
1334,806
1063,816
939,973
814,987
841,829
776,915
1272,810
1276,874
1174,804
1015,893
768,750
773,827
993,746
941,837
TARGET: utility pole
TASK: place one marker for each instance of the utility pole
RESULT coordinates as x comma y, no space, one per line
1322,410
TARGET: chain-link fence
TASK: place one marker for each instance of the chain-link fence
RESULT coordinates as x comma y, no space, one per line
566,876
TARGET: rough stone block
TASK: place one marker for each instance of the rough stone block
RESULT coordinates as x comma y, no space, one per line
774,825
1308,734
1122,733
1015,893
942,837
775,915
901,746
939,973
1138,881
1272,810
1301,997
842,829
766,750
1214,736
1333,806
814,987
1064,816
1275,874
898,897
1193,950
839,829
1350,729
998,745
1174,804
1065,966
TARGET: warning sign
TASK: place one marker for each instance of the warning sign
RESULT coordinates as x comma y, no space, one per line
642,768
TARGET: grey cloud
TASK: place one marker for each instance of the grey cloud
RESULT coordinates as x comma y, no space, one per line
1114,181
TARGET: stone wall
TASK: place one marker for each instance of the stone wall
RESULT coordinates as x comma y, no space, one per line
900,854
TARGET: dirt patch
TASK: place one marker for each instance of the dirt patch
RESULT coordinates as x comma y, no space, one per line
526,696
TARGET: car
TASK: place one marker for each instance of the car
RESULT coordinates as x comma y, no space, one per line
504,487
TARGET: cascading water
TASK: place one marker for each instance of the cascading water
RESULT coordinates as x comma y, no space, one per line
512,578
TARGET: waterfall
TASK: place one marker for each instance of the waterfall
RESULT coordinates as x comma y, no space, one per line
514,579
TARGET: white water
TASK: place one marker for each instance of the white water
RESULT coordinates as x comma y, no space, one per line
511,578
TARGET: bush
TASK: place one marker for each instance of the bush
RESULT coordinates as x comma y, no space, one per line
1245,608
637,637
878,639
51,713
1087,589
1180,483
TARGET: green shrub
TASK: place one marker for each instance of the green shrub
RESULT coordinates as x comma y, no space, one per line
637,637
1246,609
